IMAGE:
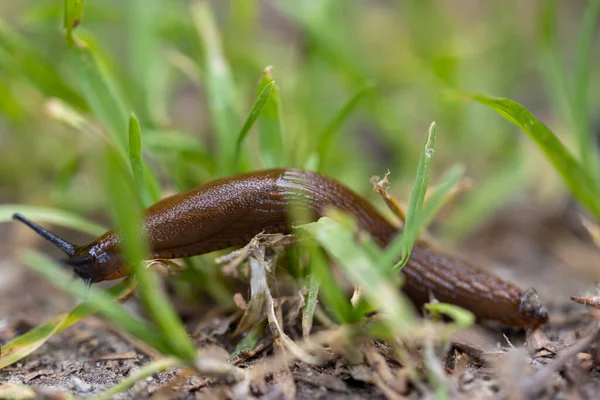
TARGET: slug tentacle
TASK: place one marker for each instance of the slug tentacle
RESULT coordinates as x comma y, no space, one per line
62,244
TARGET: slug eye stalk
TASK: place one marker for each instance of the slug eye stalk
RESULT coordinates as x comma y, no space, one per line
66,247
78,262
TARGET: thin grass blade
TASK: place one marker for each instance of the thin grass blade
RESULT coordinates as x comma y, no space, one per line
485,199
101,93
220,87
461,317
334,298
328,135
577,179
135,157
401,247
99,87
134,248
146,183
251,339
270,127
358,264
430,209
19,56
149,70
579,103
27,343
552,61
308,311
257,108
73,17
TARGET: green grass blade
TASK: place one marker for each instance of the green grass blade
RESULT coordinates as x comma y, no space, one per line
101,301
149,70
203,275
168,142
97,84
334,298
73,16
581,184
258,106
579,105
401,247
251,339
153,191
327,137
270,129
417,196
552,61
135,156
134,250
430,209
461,317
487,198
439,198
359,265
220,88
27,343
146,183
52,216
186,65
308,311
100,91
10,105
66,177
19,56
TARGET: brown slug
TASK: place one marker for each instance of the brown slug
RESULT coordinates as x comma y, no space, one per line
229,212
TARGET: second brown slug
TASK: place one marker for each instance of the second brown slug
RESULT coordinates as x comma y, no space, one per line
229,212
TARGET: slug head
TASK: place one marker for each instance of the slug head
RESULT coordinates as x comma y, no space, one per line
532,309
95,262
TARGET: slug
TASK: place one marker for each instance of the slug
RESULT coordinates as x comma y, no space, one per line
231,211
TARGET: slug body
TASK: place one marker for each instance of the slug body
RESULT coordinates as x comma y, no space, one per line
229,212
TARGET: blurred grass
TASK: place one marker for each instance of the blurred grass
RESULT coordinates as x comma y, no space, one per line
322,53
324,56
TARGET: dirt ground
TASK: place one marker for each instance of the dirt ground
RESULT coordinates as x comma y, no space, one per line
550,252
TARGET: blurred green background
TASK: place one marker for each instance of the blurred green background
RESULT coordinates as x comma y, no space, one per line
359,83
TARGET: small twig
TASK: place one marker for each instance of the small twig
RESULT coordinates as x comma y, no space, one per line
381,186
280,336
590,301
537,381
508,341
